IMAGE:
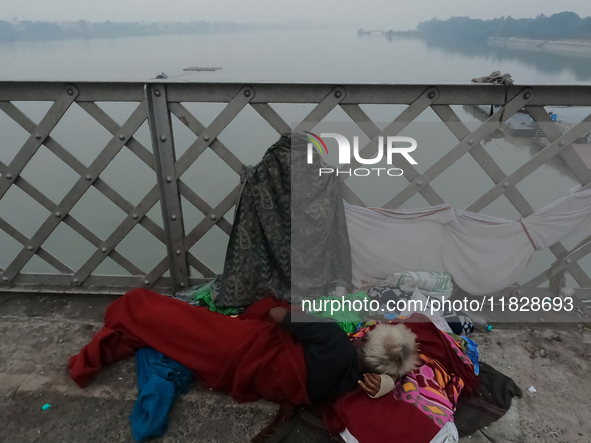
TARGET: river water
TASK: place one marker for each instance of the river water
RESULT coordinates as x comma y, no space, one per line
327,56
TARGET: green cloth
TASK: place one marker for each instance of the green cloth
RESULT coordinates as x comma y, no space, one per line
347,319
201,296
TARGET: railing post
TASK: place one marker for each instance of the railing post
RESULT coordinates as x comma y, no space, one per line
170,201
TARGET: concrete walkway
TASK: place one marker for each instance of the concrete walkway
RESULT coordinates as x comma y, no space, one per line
39,334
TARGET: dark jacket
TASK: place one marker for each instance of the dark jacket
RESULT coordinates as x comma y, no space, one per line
331,359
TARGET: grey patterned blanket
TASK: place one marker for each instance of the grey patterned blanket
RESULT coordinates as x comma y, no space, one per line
289,237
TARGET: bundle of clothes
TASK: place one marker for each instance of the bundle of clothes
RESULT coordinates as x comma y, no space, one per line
422,370
379,374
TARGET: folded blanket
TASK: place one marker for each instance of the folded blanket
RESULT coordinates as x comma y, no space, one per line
390,295
435,284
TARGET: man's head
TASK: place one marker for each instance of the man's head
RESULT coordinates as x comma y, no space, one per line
390,349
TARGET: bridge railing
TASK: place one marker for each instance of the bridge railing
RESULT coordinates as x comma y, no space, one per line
160,103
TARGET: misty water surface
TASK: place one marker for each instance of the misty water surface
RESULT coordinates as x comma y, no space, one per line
330,56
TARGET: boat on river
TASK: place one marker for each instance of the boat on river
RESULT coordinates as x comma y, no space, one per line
202,68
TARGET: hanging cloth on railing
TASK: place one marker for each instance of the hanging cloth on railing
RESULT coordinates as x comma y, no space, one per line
267,253
483,254
495,77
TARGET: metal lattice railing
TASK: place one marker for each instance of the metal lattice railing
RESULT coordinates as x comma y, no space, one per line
157,102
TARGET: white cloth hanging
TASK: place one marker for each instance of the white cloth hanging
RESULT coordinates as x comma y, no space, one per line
483,254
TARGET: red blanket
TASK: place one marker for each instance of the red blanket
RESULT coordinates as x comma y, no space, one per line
250,357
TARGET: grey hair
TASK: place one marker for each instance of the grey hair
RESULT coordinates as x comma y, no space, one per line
391,349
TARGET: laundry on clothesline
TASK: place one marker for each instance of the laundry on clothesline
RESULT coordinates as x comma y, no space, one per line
484,254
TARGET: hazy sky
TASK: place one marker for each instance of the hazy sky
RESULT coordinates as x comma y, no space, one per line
392,14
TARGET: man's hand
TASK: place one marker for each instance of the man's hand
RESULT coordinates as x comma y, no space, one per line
277,314
370,383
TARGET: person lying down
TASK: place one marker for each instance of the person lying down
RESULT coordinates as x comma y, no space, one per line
335,365
268,352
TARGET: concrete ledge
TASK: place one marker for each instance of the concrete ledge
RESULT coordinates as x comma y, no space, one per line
39,333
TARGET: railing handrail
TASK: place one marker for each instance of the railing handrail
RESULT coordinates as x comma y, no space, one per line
160,99
268,92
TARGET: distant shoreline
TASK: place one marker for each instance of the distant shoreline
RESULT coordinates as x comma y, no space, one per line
572,47
20,31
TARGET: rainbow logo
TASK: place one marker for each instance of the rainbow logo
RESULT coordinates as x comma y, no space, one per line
316,143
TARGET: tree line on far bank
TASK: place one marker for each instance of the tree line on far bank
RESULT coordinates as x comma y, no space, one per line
565,25
39,30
